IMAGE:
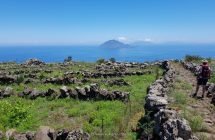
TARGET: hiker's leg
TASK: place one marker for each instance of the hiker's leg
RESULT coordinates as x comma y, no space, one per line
197,89
203,90
204,87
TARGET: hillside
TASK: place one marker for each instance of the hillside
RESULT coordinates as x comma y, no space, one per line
103,100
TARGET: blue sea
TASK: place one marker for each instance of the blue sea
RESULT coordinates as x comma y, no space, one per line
93,53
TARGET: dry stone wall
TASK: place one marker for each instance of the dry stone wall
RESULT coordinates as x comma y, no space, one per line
168,125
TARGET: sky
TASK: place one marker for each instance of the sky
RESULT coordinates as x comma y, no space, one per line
95,21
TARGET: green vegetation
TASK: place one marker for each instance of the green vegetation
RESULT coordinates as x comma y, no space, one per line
95,117
196,58
100,61
191,58
14,114
113,60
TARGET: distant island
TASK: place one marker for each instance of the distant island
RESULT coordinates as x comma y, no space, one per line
114,44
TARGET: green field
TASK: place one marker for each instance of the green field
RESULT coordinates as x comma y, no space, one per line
112,119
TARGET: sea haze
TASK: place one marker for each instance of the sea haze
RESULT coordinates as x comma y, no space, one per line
92,53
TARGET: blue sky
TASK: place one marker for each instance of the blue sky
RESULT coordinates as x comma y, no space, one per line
95,21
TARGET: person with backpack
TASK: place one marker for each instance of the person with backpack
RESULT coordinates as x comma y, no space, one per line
203,76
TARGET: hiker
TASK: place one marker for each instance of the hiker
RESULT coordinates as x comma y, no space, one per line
203,75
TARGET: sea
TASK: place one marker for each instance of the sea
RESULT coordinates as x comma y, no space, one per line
86,53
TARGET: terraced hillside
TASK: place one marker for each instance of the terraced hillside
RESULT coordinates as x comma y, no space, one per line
105,100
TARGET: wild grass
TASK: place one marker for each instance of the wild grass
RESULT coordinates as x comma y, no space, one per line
113,116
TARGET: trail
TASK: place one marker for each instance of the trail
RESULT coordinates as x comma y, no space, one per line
202,107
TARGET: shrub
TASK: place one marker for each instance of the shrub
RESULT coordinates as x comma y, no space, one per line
196,123
68,59
190,58
41,76
13,114
146,126
157,74
100,61
113,60
20,79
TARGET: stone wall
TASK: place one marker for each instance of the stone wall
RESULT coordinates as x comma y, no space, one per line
167,123
45,133
89,92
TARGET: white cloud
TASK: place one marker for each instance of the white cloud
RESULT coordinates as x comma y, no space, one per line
147,40
122,38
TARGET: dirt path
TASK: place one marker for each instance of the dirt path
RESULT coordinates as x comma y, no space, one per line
202,107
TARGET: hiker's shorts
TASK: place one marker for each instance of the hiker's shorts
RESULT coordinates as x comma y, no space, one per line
202,81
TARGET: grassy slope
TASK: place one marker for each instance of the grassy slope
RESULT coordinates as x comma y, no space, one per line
68,113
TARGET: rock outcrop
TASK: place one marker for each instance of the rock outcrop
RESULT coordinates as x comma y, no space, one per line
34,62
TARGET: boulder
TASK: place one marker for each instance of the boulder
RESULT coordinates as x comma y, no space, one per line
62,134
30,135
45,133
184,130
155,103
94,87
168,126
1,135
19,137
211,88
81,93
78,135
27,91
35,93
103,94
7,92
73,94
64,92
50,92
9,133
123,96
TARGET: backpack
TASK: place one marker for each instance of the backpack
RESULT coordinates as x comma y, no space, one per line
205,72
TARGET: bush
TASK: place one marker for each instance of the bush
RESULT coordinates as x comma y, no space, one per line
113,60
190,58
41,76
20,79
100,61
13,114
68,59
146,125
196,123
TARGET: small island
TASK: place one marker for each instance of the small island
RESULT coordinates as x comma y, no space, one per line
114,44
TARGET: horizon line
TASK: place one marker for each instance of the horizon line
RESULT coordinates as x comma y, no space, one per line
98,44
